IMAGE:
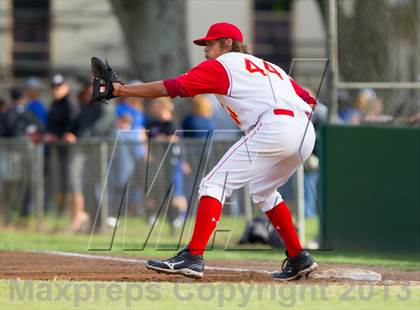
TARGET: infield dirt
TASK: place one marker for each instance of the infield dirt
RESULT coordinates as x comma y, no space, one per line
43,266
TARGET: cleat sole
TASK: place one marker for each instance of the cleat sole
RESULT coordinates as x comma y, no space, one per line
185,272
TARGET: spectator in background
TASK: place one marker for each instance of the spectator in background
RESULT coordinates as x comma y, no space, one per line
139,147
131,147
364,100
198,124
95,120
347,114
2,112
61,121
122,165
375,112
18,121
355,114
3,108
367,108
62,114
160,120
415,119
162,127
126,166
134,107
222,122
33,87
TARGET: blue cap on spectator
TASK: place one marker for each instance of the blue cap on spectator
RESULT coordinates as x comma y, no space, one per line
57,80
33,83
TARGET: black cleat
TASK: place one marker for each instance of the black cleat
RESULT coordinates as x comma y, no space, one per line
296,267
184,263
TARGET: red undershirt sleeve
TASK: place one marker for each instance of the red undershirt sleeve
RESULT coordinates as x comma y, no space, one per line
304,94
209,77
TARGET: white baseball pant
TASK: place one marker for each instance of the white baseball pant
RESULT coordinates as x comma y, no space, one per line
266,157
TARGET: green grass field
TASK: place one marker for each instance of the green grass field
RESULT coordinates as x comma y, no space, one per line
131,235
130,238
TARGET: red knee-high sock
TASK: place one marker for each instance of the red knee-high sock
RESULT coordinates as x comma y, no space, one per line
208,214
282,221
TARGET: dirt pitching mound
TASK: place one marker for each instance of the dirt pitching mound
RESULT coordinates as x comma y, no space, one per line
68,266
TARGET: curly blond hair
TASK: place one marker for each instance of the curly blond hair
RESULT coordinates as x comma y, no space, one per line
201,105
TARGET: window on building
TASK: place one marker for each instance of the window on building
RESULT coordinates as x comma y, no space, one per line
273,31
31,37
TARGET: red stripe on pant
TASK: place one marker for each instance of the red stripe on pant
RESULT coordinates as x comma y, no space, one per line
208,214
282,221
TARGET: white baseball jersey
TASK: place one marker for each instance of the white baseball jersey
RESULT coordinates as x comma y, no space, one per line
256,86
270,108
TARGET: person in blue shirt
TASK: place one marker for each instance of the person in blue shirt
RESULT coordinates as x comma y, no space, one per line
131,148
134,107
125,107
35,105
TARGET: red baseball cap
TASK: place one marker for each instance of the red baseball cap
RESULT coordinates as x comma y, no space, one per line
221,31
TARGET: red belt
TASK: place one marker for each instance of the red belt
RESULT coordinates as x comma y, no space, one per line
283,112
288,112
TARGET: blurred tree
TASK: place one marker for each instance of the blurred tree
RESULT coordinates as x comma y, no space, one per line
155,35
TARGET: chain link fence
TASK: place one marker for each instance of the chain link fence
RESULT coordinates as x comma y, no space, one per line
74,171
376,60
44,178
158,178
21,180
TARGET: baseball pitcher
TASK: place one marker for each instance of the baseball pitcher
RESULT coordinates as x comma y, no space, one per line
272,111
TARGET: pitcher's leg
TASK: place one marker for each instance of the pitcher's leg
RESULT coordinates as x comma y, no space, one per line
280,217
298,262
264,192
282,221
238,166
208,215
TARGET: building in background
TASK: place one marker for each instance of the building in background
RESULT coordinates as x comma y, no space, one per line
309,43
45,36
61,35
285,30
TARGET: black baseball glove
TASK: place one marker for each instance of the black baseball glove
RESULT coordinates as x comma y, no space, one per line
103,77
